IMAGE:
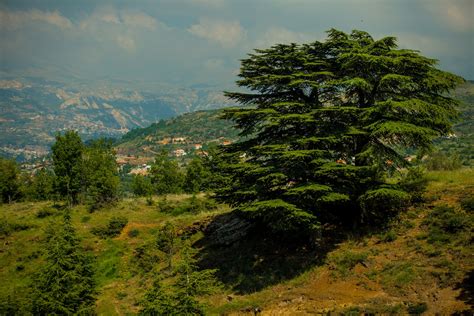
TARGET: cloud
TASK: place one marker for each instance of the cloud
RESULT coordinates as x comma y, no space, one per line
16,19
457,14
281,35
208,3
126,42
139,19
226,33
214,64
109,15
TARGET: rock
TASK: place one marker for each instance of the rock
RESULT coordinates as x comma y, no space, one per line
227,229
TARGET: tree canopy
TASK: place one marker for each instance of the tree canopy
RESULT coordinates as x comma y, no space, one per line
324,122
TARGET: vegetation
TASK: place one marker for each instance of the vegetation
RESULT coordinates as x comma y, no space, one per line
317,184
331,120
66,284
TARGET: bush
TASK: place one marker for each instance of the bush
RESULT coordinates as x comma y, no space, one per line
194,205
133,233
414,182
6,228
467,203
114,228
145,257
45,212
441,161
388,236
345,261
417,308
443,223
381,204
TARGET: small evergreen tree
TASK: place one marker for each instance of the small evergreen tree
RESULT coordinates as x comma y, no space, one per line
67,163
166,241
181,297
65,284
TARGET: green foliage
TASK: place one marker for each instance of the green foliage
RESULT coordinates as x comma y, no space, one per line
181,297
7,227
467,203
133,233
141,186
113,228
444,223
197,176
441,161
345,261
145,257
388,236
398,274
166,175
45,212
329,120
382,203
42,186
101,175
414,182
9,181
417,308
167,242
65,284
67,164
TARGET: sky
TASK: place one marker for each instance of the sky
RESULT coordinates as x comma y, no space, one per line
189,42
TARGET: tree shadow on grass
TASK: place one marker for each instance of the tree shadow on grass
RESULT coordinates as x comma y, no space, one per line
261,259
467,292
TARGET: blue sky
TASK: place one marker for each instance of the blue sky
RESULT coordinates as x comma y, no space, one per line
185,42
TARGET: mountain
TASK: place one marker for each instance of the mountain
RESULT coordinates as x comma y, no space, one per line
32,110
188,132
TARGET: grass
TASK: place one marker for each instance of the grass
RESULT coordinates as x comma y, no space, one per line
425,252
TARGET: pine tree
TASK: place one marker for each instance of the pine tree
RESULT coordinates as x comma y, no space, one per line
65,284
180,298
67,163
324,122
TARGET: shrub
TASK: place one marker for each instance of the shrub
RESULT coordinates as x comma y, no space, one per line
381,204
6,228
114,228
398,274
444,219
417,308
145,257
345,261
414,182
388,236
133,233
441,161
467,203
45,212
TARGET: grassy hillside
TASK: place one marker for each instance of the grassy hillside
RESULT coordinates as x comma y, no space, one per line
202,127
422,262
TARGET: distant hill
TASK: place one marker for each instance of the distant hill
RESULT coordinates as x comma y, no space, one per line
462,142
189,132
33,110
